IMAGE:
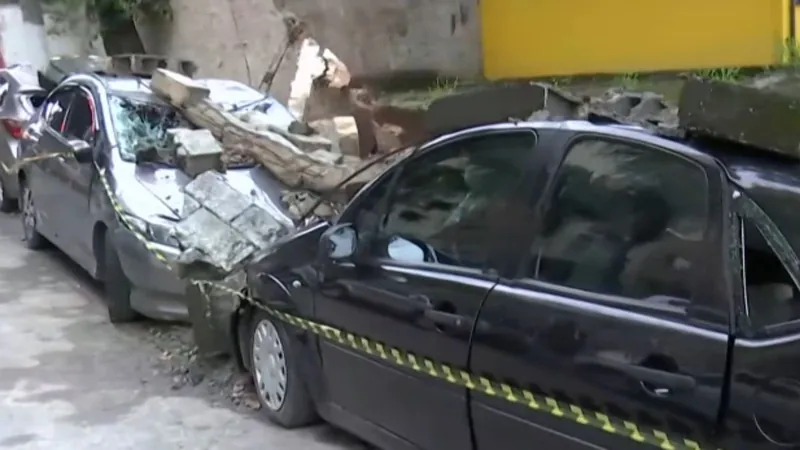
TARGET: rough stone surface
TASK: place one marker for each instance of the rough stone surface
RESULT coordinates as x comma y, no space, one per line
371,38
763,114
275,149
387,137
309,67
196,151
342,131
496,104
224,230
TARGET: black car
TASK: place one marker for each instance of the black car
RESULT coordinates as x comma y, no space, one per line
554,285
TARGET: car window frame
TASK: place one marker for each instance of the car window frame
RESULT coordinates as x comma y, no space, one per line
78,92
748,209
69,90
716,233
392,175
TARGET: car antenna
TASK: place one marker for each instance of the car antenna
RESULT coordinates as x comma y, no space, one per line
324,196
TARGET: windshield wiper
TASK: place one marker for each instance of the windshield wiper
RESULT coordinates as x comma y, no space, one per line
249,104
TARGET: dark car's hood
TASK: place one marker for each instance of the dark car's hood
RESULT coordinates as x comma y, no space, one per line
298,248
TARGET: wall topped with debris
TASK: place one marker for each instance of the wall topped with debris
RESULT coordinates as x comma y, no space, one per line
240,39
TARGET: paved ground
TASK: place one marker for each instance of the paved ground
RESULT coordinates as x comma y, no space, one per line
70,380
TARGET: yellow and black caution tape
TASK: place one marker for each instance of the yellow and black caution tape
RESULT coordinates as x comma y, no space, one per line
645,435
14,168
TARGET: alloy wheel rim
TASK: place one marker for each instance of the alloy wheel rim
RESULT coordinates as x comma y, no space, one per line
269,365
28,213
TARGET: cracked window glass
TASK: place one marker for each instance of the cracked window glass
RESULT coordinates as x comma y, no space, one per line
141,127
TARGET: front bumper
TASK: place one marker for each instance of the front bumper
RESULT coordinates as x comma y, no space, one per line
157,293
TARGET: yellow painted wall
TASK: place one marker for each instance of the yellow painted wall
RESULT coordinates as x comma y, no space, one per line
534,38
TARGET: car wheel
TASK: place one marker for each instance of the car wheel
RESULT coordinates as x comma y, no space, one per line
33,240
7,204
117,286
273,364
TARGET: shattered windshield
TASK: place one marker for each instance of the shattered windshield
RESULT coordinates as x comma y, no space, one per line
141,126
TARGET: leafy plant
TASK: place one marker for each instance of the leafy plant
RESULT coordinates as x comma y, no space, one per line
720,74
628,80
111,12
442,87
790,54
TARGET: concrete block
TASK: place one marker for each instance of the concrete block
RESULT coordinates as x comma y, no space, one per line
197,151
223,230
342,131
257,226
221,246
764,114
496,104
178,89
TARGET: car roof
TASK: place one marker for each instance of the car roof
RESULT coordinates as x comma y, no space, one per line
769,179
747,168
224,92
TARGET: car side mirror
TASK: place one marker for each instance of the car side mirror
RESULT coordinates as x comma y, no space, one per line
82,151
338,243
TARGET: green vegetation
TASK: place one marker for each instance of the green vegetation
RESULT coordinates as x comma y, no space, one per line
111,13
629,81
442,87
720,74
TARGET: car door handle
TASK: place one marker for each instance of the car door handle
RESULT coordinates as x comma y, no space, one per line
444,320
655,381
404,304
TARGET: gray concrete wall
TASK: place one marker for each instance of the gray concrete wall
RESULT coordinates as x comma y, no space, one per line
240,38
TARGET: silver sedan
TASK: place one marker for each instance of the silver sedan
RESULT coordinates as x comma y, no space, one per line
110,121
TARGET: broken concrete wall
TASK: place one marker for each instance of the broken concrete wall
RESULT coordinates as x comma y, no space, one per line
239,39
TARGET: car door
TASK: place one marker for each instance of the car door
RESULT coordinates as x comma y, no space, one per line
45,139
615,332
426,237
75,178
764,389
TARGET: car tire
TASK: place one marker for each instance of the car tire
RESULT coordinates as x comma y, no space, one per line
33,239
7,204
117,286
291,406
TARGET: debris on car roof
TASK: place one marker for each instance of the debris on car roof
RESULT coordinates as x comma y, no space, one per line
306,163
129,64
762,114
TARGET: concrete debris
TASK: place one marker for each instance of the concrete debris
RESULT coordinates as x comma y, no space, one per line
222,229
342,131
336,74
763,113
309,67
197,151
285,155
317,68
307,142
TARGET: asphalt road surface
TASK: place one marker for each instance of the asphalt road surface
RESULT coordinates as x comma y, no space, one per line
70,380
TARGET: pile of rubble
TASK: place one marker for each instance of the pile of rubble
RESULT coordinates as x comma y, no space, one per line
222,229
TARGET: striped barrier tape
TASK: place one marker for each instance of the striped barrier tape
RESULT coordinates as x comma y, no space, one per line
645,435
20,163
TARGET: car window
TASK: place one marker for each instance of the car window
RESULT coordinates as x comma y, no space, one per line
772,296
445,206
623,220
55,109
80,119
142,125
770,276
